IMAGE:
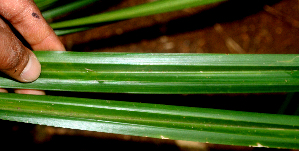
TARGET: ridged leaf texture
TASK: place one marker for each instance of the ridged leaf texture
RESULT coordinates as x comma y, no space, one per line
159,73
149,73
154,120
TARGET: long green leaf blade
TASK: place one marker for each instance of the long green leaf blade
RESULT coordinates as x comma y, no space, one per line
153,120
66,8
61,32
146,9
44,4
164,73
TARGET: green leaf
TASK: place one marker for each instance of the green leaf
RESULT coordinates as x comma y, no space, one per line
61,32
146,9
154,74
66,8
175,73
44,4
153,120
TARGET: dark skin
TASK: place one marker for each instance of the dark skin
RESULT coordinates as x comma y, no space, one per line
16,60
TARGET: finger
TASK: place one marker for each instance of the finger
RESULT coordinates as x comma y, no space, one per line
27,91
3,90
27,19
16,60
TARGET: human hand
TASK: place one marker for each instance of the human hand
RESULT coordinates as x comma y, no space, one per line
16,60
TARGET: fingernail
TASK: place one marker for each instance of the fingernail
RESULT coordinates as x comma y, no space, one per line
32,70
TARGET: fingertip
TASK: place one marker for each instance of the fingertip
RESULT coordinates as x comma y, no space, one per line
27,91
32,70
3,90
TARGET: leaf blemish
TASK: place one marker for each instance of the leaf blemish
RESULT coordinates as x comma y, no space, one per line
289,60
87,70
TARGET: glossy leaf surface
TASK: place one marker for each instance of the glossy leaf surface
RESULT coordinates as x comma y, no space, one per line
155,73
164,73
153,120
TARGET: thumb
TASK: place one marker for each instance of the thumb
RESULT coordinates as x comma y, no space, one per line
16,60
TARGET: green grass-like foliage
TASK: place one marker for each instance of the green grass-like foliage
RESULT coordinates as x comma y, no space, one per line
162,73
57,11
154,74
146,9
153,120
